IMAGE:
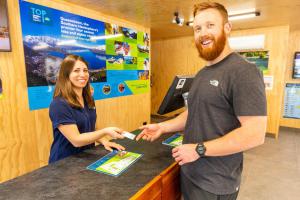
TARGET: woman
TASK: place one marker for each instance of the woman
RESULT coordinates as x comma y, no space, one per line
73,113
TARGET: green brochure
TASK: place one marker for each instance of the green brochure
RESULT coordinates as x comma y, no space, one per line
115,162
174,140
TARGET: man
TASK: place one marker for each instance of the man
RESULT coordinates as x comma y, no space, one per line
226,113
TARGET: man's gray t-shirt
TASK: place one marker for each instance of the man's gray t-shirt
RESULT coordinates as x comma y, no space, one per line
220,93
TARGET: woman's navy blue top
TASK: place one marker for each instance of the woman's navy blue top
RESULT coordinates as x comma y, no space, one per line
61,113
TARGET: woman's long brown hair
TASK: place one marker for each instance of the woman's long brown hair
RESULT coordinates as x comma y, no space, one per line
64,88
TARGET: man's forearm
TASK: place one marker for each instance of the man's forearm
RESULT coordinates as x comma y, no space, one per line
249,135
176,124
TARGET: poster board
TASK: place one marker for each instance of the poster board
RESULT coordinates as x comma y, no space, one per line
292,101
259,58
118,57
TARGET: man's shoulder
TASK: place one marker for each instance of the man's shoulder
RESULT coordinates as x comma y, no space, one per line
240,61
240,65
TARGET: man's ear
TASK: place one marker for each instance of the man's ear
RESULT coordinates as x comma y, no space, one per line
227,28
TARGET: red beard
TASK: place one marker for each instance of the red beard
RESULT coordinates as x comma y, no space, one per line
213,52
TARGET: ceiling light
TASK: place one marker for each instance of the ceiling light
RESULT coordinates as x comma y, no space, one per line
243,16
177,20
190,23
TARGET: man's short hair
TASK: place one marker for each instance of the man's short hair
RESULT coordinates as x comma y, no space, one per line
214,5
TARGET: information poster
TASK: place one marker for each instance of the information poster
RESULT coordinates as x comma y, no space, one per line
174,140
115,162
292,101
259,58
268,80
118,57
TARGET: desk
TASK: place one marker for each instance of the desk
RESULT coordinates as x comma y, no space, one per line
154,176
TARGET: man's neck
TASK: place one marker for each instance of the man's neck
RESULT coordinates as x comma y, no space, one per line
226,51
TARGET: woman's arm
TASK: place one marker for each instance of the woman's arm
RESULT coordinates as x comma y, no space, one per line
72,133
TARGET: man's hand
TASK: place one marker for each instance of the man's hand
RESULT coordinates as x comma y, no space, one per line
185,153
150,132
105,141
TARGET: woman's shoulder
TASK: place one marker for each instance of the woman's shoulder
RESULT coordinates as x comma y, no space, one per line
59,103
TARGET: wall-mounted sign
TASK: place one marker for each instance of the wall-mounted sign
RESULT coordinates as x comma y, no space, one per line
292,101
268,80
259,58
118,57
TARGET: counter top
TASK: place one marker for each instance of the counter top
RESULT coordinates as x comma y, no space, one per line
69,178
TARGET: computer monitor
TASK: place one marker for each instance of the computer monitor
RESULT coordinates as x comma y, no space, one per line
173,100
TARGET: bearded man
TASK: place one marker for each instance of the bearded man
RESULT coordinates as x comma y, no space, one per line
226,113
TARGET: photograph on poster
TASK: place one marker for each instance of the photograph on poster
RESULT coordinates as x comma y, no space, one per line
259,58
296,67
4,30
146,64
130,60
122,48
143,74
115,59
130,33
146,39
112,29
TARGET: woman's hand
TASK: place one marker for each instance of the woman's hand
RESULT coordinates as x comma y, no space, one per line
108,145
114,132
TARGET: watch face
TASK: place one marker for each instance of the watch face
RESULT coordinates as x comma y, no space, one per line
201,149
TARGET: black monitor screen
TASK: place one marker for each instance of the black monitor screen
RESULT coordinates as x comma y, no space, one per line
173,99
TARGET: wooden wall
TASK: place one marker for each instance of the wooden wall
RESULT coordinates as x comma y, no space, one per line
294,45
26,136
179,56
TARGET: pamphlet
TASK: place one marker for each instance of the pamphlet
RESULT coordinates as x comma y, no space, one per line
174,140
115,162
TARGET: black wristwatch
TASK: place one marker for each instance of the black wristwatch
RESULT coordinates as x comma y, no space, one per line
201,149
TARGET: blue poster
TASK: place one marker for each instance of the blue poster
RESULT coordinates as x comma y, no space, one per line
114,54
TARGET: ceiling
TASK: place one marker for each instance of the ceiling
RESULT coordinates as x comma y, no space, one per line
158,14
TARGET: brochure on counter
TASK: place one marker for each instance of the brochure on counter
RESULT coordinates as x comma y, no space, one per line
174,140
115,162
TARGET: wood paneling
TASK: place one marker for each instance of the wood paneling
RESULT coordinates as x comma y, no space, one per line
158,14
294,45
165,186
179,56
26,136
151,191
171,183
